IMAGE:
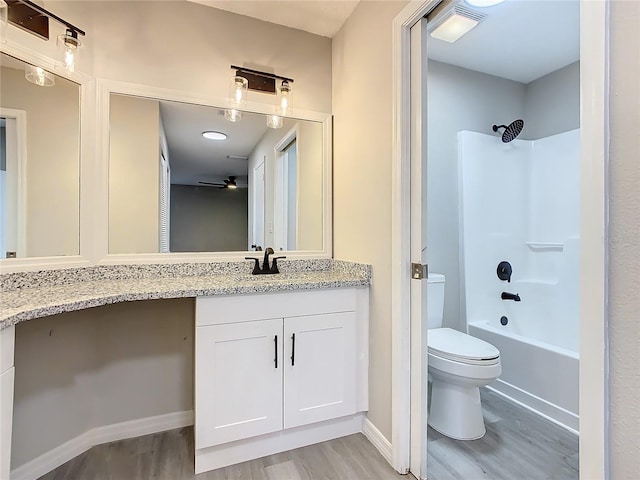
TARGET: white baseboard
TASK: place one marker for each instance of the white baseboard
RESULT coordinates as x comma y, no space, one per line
109,433
558,415
378,440
231,453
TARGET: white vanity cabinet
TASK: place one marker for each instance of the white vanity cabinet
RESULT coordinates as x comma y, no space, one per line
273,370
7,373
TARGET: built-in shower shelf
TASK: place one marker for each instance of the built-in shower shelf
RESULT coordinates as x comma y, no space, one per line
549,246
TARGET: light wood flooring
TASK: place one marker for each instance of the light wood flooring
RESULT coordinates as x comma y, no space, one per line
518,445
169,456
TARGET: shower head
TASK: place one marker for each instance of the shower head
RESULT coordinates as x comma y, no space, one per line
511,131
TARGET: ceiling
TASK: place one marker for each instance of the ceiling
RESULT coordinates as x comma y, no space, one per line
194,158
321,17
521,40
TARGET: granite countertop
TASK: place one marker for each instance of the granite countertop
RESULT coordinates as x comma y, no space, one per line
44,299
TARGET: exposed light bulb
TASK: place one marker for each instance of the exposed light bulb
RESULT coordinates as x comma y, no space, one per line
232,114
274,121
238,91
284,99
68,44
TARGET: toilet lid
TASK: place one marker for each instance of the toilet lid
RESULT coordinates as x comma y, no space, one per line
454,345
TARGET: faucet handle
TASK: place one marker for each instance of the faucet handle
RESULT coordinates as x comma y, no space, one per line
256,265
274,264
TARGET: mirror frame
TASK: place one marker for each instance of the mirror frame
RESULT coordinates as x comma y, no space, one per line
104,90
86,134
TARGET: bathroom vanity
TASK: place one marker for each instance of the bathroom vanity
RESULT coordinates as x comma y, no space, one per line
281,361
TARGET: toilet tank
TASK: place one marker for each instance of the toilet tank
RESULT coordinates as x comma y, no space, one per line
435,300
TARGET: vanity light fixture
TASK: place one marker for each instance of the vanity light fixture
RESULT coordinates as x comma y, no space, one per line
39,76
211,135
265,83
33,18
451,23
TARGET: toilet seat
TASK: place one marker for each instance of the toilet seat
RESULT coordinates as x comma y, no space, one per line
456,346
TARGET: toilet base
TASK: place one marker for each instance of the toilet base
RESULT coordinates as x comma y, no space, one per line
455,411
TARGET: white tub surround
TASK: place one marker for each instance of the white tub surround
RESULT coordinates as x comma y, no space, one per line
309,295
520,203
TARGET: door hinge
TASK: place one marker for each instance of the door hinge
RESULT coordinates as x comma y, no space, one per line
419,271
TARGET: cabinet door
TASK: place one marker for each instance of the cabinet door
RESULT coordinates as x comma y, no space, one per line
6,420
238,383
320,368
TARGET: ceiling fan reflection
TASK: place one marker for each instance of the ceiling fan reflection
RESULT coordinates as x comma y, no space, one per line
229,184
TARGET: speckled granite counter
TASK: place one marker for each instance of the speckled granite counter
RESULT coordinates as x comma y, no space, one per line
32,295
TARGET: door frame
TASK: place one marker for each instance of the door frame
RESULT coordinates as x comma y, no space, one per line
19,165
594,124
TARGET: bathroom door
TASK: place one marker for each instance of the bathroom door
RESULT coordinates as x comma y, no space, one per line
418,248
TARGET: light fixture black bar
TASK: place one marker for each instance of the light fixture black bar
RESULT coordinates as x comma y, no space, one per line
262,74
47,13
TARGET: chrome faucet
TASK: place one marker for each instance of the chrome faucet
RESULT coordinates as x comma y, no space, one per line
510,296
266,269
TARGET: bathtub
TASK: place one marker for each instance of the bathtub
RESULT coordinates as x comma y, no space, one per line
536,374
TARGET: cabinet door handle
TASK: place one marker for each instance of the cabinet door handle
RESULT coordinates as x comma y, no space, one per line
275,342
293,349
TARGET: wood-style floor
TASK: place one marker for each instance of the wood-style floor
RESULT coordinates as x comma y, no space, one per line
518,445
169,456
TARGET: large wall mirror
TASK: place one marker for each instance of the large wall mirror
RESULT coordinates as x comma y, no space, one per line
246,187
40,162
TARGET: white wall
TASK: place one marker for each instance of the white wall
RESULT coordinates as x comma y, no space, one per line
134,175
624,246
53,173
310,187
208,219
362,108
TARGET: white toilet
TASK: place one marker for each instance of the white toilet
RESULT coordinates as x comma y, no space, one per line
458,365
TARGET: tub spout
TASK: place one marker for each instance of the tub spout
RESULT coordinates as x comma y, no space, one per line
510,296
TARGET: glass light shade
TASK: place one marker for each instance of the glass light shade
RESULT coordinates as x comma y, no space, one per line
68,46
453,28
483,3
238,91
284,106
232,114
39,76
274,121
4,13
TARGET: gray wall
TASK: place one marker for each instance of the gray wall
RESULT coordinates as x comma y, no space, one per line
624,238
101,366
208,219
459,99
552,103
